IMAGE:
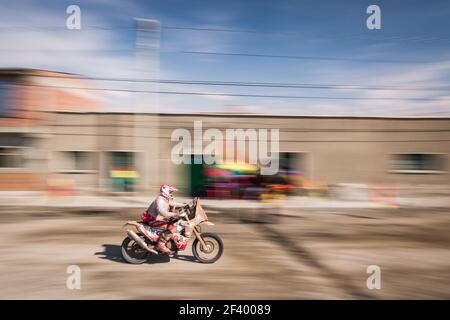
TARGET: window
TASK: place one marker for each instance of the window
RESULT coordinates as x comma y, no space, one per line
4,101
76,161
122,172
418,163
11,157
122,159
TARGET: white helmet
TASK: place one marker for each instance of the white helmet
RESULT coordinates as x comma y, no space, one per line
166,191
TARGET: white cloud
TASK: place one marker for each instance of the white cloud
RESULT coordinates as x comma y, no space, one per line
94,53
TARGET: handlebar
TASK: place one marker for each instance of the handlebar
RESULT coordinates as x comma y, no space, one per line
187,207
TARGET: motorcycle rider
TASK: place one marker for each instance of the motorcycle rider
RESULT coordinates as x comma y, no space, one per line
161,210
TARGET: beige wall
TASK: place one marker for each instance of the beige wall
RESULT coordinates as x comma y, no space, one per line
342,149
335,149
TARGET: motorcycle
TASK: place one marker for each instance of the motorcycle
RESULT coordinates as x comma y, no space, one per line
206,248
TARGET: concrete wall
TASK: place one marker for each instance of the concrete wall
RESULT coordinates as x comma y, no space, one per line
340,150
31,97
335,150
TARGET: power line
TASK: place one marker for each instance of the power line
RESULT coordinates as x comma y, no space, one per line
294,57
251,84
222,127
73,50
309,36
362,36
62,28
236,54
235,94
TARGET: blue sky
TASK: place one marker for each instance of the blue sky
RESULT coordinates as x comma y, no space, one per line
410,50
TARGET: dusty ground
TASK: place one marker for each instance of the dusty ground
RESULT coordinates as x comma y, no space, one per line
317,255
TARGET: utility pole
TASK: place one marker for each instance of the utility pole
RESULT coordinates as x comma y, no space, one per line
146,113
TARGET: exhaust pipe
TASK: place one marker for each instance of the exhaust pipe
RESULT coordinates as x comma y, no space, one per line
140,242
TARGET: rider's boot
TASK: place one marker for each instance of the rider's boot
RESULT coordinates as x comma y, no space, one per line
161,246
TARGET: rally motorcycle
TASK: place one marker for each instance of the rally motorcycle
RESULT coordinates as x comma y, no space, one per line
206,248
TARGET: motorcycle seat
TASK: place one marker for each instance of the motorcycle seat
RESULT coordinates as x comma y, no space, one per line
156,224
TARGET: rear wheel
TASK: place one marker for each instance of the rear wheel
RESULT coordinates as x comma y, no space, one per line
213,250
132,252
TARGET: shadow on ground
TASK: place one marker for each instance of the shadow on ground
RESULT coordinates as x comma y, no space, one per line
113,252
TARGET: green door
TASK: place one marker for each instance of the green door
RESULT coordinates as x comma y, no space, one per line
196,178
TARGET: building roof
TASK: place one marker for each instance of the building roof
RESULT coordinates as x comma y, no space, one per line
31,71
256,115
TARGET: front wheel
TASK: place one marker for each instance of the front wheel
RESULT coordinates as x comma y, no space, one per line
132,252
213,250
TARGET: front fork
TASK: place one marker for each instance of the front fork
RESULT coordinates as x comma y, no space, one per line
204,247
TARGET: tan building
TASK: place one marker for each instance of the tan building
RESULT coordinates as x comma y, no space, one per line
26,98
106,152
52,134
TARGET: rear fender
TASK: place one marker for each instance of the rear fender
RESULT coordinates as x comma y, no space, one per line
136,224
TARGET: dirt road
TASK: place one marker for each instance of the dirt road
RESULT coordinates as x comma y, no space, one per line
317,255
